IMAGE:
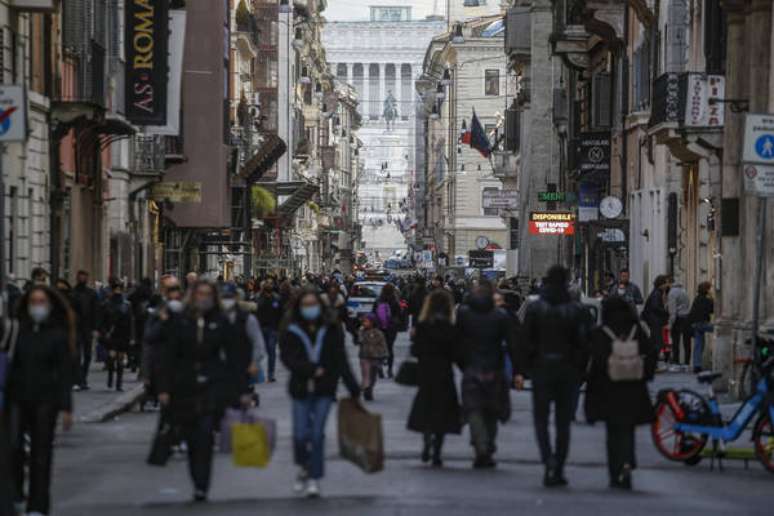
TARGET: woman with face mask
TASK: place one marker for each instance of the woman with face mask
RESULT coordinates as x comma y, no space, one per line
202,372
312,348
42,343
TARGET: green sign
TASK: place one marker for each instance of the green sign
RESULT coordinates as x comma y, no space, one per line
556,197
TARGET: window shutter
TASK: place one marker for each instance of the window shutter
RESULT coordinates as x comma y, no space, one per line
601,100
512,129
676,32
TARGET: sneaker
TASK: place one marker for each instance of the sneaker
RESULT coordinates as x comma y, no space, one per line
312,489
200,496
674,368
299,486
76,388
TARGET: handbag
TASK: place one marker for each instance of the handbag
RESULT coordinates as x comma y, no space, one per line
361,438
251,445
234,417
408,373
163,441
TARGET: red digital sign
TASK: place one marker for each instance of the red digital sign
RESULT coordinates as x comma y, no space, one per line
552,223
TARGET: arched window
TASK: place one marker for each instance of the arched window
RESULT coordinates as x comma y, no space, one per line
341,71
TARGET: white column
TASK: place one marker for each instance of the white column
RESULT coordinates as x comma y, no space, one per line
382,87
366,90
399,88
349,73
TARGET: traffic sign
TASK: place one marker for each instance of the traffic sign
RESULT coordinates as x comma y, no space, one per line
13,114
759,179
758,139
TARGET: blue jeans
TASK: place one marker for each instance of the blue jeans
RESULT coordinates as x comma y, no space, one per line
309,417
699,330
270,340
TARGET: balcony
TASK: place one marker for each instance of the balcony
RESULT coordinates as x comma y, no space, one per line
81,90
684,114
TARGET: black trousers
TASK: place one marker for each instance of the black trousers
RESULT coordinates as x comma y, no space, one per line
554,385
483,432
7,493
38,420
85,345
620,448
681,332
198,435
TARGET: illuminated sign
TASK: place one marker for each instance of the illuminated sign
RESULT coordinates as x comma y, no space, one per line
147,34
552,223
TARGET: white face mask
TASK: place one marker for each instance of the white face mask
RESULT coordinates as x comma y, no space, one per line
228,304
38,313
175,306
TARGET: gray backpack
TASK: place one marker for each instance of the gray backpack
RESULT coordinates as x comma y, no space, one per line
625,363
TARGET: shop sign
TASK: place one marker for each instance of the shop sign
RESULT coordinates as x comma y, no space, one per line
13,114
177,191
592,154
481,259
612,236
759,180
700,89
501,199
552,223
147,37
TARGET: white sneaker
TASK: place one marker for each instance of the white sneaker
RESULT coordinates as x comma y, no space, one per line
312,489
674,369
299,486
34,514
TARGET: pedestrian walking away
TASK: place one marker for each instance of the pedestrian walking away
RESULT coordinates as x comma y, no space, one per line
553,352
485,333
86,307
387,310
42,343
679,308
117,329
621,401
435,411
312,348
700,317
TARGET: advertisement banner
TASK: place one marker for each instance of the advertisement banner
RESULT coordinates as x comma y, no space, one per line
552,223
501,199
588,202
147,35
592,154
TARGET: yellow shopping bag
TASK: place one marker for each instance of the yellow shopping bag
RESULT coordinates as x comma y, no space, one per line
250,445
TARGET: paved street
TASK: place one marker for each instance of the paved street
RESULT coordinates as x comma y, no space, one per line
100,469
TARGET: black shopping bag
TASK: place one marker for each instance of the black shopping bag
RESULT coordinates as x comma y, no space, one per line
163,441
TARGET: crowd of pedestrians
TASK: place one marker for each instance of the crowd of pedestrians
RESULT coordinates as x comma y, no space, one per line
201,347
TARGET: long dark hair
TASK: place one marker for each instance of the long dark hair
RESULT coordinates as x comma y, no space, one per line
618,314
190,307
61,314
438,307
293,314
387,294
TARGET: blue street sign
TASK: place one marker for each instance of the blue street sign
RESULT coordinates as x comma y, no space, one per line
764,146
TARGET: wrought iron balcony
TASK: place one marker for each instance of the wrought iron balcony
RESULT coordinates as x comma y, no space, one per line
82,83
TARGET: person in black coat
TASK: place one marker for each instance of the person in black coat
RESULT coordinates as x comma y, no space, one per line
553,352
435,411
42,343
700,318
621,405
86,307
485,334
416,300
270,307
117,329
202,372
655,313
312,348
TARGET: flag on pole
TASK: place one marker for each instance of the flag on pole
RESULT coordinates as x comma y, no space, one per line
464,134
478,138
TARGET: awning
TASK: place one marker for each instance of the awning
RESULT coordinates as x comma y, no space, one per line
115,125
298,198
494,29
272,148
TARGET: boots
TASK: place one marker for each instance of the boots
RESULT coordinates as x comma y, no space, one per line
110,362
120,375
437,447
428,443
554,475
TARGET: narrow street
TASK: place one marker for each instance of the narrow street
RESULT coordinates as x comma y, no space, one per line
100,469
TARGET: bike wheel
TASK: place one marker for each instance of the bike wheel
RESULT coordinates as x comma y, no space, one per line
748,382
673,444
763,439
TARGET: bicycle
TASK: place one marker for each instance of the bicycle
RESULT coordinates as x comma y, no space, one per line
685,420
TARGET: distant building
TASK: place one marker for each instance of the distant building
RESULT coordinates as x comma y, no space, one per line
381,57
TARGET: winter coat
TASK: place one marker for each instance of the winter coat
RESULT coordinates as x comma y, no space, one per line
373,345
417,300
656,316
554,331
42,367
486,336
436,408
202,367
117,325
269,310
86,306
333,359
702,309
623,403
337,307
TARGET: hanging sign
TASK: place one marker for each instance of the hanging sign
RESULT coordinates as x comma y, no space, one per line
592,154
13,114
147,35
552,223
481,259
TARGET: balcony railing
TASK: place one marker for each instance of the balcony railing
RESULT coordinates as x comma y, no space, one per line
83,78
686,100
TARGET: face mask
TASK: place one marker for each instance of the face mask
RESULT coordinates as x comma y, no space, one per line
205,305
310,313
175,306
228,304
38,313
